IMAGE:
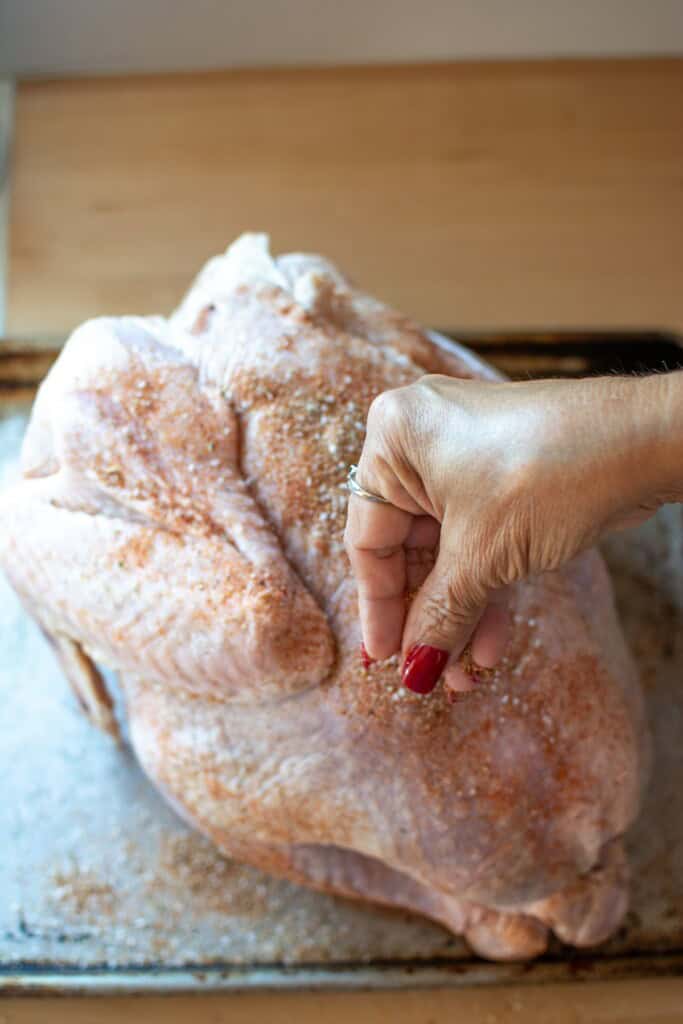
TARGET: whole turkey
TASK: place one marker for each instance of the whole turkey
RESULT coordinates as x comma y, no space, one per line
179,520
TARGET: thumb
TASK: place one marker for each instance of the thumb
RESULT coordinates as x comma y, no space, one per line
442,618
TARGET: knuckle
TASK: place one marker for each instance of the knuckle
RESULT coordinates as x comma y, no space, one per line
432,383
443,615
387,410
485,564
508,539
513,558
349,544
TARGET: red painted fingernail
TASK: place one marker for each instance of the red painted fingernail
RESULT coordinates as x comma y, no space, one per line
423,667
365,658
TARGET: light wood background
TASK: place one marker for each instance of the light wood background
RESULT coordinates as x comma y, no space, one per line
486,195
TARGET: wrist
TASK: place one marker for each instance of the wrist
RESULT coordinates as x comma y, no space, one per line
631,431
661,403
652,444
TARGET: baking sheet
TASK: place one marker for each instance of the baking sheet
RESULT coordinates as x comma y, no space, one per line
101,886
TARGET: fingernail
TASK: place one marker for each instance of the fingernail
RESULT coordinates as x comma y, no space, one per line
478,674
365,658
423,667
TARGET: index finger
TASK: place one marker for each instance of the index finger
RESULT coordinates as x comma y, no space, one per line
374,537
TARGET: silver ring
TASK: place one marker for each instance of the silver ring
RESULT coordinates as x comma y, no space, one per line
355,488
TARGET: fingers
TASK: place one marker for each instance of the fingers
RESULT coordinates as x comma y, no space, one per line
489,640
441,621
392,553
491,636
421,546
382,615
457,680
375,536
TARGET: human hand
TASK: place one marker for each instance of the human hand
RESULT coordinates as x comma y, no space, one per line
486,484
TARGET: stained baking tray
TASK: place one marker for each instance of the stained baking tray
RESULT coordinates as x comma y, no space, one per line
103,889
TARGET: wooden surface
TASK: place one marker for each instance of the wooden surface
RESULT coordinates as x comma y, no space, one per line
627,1002
474,195
6,121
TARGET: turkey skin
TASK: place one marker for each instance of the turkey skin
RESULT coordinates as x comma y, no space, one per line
179,520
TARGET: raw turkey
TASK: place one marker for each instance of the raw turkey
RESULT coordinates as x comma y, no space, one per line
180,519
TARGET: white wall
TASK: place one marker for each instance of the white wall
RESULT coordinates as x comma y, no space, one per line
145,35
